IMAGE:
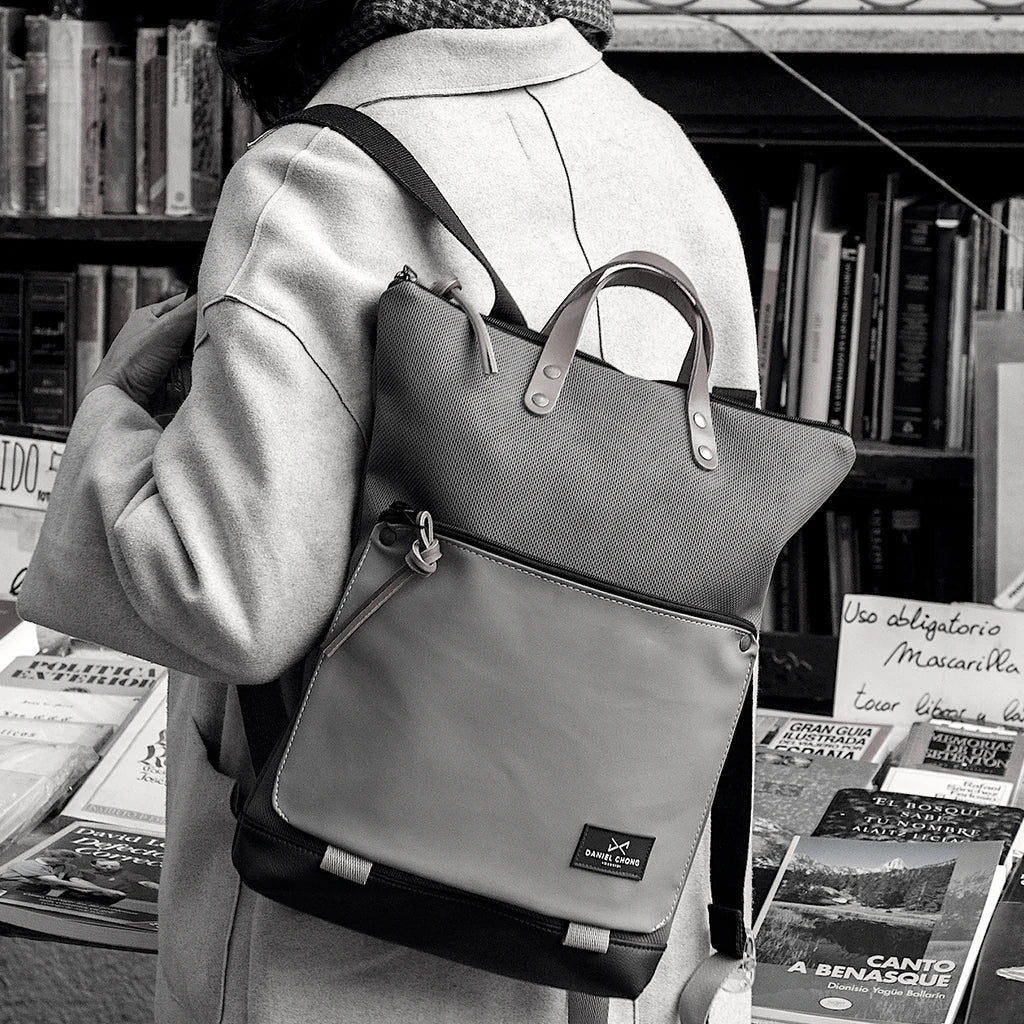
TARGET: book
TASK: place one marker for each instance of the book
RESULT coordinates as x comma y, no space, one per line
123,299
84,673
791,792
12,111
90,323
997,995
90,202
802,222
1013,255
157,284
862,368
961,761
80,734
194,118
771,282
12,326
36,170
154,84
48,349
873,932
892,817
128,786
117,148
149,44
88,882
70,45
64,706
965,268
844,377
33,777
828,737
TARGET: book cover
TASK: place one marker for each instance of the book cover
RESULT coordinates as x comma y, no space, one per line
36,171
149,43
79,734
83,673
117,138
48,350
12,110
12,326
128,786
984,764
874,932
829,737
791,792
91,323
64,706
997,995
123,300
68,43
897,817
98,874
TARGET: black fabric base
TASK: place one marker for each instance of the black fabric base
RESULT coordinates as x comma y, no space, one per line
283,864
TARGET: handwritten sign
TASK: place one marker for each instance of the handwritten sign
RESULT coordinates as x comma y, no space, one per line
28,467
902,661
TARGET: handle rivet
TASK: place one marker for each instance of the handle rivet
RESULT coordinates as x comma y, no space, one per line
540,400
745,643
552,372
705,452
698,418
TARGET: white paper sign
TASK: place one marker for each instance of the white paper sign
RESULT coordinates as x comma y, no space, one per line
900,661
28,468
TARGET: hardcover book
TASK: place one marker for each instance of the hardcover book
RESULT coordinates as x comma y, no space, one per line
859,814
117,139
149,44
983,764
91,323
35,114
873,932
829,737
997,995
48,351
12,325
128,786
87,882
12,70
791,792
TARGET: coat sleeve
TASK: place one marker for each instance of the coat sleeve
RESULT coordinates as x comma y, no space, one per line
218,545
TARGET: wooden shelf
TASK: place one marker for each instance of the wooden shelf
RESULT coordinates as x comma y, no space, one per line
677,32
887,461
108,228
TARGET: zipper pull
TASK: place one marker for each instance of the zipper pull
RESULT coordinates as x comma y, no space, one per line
425,552
452,291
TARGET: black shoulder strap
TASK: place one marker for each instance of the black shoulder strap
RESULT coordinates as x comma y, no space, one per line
386,151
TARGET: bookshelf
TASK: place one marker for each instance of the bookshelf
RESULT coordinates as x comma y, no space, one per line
947,88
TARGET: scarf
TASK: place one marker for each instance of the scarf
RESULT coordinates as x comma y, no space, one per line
377,19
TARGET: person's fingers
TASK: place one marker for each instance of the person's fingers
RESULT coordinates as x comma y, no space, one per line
158,309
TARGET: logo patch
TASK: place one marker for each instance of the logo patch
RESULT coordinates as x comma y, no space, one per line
612,853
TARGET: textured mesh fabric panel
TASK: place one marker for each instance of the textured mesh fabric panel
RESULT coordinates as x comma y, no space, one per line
604,485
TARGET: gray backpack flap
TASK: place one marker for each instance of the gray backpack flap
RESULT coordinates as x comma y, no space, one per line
540,670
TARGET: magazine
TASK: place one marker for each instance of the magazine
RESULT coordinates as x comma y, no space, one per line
128,786
997,996
825,737
44,705
87,882
873,932
80,673
858,814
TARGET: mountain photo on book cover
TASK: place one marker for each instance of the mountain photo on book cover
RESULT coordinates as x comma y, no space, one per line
881,930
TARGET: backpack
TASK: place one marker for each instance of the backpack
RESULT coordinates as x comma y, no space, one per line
538,682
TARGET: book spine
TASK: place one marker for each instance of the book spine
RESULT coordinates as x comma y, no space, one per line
885,309
996,290
770,279
64,115
856,357
124,299
35,114
90,202
913,328
798,294
155,284
820,324
11,66
870,275
91,300
117,155
873,560
207,128
155,86
12,325
844,325
179,121
147,46
48,348
12,148
938,380
1014,287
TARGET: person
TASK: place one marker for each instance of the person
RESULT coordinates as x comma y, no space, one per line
217,545
58,872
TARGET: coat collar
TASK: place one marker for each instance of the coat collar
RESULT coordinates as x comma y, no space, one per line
452,62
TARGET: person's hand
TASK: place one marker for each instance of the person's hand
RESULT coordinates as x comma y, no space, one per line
146,348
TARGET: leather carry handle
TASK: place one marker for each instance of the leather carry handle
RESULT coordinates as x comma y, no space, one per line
565,326
389,154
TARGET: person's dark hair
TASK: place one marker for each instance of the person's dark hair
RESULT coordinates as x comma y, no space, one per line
279,52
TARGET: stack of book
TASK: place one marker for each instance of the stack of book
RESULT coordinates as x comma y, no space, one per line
106,118
866,304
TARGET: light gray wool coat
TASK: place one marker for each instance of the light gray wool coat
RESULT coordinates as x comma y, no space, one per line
218,545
